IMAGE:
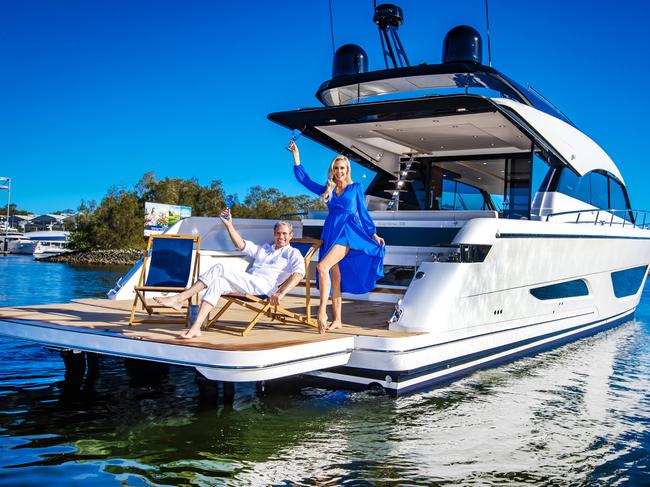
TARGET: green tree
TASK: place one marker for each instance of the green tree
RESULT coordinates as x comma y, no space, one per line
271,203
204,200
13,210
82,236
118,221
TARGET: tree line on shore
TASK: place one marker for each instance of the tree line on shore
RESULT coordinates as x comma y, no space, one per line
117,222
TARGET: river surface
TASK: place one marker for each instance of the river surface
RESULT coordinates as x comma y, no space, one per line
576,415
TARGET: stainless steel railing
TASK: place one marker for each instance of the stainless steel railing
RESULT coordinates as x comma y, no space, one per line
629,218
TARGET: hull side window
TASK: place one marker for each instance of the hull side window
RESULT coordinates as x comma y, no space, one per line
628,282
569,289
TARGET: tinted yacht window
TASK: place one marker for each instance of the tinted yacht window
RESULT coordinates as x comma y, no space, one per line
460,196
599,190
584,189
568,183
595,188
616,196
618,200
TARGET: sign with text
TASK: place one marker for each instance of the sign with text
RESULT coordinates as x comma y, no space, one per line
158,217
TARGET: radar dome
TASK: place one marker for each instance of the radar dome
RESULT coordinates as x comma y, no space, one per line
462,44
349,60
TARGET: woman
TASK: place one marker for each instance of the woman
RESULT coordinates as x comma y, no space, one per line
351,249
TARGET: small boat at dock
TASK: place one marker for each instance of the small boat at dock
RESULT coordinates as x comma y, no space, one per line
42,243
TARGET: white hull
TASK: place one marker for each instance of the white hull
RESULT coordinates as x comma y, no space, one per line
24,247
482,313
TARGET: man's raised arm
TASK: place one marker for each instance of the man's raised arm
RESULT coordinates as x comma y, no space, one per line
226,218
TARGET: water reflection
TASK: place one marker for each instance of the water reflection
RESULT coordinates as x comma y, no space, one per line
575,415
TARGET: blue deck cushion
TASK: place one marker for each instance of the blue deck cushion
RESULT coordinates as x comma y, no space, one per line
303,247
244,298
170,262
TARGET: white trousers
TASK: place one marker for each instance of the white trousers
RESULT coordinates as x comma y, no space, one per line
222,280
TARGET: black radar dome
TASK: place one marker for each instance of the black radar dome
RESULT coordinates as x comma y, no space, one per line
349,60
462,44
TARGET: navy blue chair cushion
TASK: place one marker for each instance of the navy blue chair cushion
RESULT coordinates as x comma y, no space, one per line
170,262
303,247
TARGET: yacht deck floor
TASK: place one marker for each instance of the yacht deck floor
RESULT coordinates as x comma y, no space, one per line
103,315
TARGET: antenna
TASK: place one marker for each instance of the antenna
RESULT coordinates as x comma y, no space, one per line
487,21
388,18
331,25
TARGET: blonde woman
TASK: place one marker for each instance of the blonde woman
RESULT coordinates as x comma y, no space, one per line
351,249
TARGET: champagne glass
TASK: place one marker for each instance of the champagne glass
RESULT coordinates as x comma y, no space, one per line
295,135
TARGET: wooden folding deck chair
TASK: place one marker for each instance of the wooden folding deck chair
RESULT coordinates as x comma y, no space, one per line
171,264
262,306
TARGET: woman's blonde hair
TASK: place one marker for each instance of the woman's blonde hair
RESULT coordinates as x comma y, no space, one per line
331,184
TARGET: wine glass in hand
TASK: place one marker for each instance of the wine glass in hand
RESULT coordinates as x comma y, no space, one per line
225,215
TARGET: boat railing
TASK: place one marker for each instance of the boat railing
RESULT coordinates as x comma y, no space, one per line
608,217
123,280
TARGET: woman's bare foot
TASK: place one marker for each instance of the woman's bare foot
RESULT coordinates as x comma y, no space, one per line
335,325
189,334
169,302
322,324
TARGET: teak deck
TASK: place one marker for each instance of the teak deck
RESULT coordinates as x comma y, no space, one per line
103,315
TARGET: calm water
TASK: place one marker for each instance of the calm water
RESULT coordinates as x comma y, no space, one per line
578,415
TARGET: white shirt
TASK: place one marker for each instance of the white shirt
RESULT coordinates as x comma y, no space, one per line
275,265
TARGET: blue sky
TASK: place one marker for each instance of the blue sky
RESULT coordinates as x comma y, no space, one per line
95,93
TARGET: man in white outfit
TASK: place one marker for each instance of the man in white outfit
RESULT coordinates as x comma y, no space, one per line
275,270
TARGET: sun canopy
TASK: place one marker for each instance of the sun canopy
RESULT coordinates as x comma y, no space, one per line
577,150
377,134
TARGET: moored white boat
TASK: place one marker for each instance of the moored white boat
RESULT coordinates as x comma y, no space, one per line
42,243
9,237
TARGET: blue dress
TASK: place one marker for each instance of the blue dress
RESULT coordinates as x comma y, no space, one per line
364,264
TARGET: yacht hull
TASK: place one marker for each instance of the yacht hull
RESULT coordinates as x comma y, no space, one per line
399,382
533,291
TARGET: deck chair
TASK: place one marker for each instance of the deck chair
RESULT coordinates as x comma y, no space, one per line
262,306
170,264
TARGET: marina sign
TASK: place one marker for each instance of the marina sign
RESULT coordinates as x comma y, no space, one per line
158,217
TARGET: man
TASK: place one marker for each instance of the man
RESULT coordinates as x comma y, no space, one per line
273,265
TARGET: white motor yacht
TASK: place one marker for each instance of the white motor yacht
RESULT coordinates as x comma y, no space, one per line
9,237
42,243
508,231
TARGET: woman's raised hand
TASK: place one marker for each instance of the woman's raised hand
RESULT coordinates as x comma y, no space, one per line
378,239
294,150
226,216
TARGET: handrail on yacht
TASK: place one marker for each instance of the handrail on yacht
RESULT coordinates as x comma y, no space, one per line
612,213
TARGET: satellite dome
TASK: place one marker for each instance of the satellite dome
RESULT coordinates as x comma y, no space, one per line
349,60
462,44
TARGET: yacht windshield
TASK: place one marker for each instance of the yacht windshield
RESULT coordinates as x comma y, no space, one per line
418,86
434,81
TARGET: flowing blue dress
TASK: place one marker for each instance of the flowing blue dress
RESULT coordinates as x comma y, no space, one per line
364,264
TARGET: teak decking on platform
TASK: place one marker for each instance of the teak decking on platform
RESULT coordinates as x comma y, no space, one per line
361,318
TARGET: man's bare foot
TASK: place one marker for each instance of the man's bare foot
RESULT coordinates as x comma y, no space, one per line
189,334
322,324
169,302
335,325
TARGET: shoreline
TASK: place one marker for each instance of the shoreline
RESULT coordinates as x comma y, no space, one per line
125,257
